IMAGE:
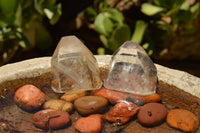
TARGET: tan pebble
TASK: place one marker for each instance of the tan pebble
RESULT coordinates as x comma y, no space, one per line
183,120
71,96
87,105
58,104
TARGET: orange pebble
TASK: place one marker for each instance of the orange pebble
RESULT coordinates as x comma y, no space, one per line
183,120
143,99
29,97
112,95
90,124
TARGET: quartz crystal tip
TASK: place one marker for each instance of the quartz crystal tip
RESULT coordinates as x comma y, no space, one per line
132,71
74,67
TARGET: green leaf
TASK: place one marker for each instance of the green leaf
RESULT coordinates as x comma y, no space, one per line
121,34
139,31
91,11
150,10
57,14
103,24
145,46
169,4
18,16
104,40
195,10
8,6
185,6
115,15
38,6
101,51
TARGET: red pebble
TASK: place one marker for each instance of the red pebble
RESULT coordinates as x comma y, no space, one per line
50,119
122,112
112,95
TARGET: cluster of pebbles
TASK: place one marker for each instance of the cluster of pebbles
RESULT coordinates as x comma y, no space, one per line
99,106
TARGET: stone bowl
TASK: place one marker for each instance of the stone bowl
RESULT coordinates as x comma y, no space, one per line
177,89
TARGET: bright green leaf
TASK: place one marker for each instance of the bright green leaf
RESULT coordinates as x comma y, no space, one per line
104,40
195,10
101,51
140,28
103,24
18,16
121,34
185,6
57,14
150,10
115,15
145,46
48,13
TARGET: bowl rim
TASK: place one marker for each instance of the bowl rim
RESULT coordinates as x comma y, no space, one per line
38,66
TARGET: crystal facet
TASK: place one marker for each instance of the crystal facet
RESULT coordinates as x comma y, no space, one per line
74,67
132,70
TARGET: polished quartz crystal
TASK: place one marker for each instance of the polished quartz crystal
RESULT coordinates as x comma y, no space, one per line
132,71
74,67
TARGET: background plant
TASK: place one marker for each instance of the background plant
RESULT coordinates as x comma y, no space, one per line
22,25
163,19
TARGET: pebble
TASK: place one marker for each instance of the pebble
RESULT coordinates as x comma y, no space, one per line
29,97
122,112
58,104
144,99
71,96
87,105
90,124
152,114
112,95
183,120
50,119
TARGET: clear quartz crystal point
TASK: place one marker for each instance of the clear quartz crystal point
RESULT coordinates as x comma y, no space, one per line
132,71
74,67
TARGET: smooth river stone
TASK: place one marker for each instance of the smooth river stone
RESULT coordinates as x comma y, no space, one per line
74,67
87,105
132,71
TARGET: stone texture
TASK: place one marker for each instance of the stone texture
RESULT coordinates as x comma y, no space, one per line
183,120
74,67
132,71
38,66
122,112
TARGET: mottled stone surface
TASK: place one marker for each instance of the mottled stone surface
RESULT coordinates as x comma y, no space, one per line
38,66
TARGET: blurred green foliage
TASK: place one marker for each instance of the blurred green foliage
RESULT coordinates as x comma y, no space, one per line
165,18
22,25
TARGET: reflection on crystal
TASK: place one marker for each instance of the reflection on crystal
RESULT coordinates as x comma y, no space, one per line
132,70
74,67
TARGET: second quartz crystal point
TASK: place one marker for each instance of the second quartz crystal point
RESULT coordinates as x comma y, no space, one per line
132,71
74,67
